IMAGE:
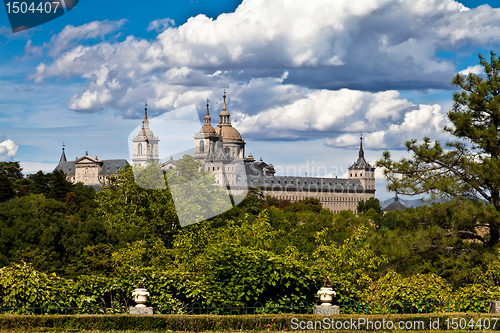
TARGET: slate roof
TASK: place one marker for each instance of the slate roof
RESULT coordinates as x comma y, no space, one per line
112,166
109,167
396,205
289,183
68,167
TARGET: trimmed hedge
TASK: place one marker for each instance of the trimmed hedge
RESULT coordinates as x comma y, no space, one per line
199,323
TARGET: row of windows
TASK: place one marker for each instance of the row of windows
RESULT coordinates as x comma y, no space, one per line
218,168
324,199
291,182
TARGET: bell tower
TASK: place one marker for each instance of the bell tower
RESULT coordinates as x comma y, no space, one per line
362,170
145,144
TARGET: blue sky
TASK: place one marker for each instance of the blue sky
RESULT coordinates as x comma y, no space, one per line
302,79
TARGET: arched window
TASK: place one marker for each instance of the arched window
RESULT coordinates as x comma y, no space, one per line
139,148
202,146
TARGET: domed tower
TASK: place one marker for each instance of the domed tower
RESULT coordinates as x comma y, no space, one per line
363,171
225,150
234,145
202,139
145,144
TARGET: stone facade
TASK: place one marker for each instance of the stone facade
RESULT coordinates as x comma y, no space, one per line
90,170
221,150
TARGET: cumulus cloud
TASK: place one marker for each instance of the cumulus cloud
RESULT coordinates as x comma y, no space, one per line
8,149
71,34
341,115
160,25
426,120
374,45
476,69
293,69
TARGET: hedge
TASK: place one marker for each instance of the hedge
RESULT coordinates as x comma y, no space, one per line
199,323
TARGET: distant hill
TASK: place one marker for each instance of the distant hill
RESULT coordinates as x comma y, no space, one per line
407,203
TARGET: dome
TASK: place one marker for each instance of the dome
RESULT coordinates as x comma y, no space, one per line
145,132
207,129
229,134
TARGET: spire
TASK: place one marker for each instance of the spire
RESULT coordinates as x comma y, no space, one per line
361,152
224,114
208,120
63,156
224,106
145,122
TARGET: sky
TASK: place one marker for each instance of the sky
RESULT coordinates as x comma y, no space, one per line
303,79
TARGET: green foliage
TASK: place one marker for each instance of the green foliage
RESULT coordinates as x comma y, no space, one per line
420,288
305,205
245,275
38,230
6,188
350,266
196,197
22,285
372,203
125,206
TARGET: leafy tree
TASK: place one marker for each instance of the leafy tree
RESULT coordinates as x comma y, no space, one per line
13,170
420,288
6,188
307,204
351,266
196,197
58,185
468,168
372,203
124,206
40,183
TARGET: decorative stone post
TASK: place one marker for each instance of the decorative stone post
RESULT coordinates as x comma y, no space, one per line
326,296
495,307
140,295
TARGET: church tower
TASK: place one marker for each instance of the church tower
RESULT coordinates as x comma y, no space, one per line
202,139
362,170
145,144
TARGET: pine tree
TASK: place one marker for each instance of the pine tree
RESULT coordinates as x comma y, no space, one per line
465,169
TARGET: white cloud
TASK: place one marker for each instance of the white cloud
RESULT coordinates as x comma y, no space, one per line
71,34
160,24
33,167
477,69
426,120
374,45
8,149
293,69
